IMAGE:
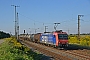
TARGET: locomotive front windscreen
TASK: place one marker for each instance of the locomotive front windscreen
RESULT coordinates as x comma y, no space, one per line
63,36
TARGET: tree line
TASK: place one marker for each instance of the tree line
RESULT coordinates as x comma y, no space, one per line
4,35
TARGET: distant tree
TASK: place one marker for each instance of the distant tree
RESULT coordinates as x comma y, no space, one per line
4,35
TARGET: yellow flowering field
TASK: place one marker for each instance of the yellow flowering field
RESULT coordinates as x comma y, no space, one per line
84,40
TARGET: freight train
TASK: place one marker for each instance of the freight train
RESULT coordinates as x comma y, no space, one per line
56,38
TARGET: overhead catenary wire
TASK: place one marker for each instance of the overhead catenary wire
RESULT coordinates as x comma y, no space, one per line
43,23
33,19
61,22
86,20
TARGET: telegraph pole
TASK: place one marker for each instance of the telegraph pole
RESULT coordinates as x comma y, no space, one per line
79,26
56,24
15,21
46,28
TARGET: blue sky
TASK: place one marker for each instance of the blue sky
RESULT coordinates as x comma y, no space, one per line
35,14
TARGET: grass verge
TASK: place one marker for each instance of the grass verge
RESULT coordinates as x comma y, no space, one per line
13,50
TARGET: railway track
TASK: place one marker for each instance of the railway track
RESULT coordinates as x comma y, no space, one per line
56,53
79,56
85,52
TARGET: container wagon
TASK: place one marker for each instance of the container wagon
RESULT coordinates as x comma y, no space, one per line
37,37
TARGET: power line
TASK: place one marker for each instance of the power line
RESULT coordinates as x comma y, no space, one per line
34,20
30,18
87,15
43,23
68,20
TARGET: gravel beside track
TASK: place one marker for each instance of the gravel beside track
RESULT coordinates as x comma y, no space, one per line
46,50
58,54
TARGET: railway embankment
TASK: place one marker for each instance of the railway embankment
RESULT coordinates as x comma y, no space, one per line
71,53
10,49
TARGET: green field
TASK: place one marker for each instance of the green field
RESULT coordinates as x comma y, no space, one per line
13,50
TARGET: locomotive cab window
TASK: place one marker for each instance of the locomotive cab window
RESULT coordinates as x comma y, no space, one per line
62,36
